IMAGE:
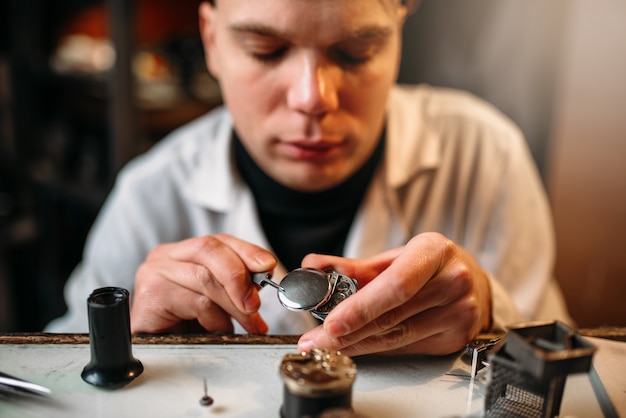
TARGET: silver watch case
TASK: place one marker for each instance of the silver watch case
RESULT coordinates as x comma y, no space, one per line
315,291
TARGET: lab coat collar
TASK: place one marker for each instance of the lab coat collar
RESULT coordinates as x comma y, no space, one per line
214,182
411,145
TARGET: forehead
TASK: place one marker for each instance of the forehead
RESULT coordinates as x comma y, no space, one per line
384,3
308,20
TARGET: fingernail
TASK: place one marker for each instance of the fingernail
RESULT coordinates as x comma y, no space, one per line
306,345
337,328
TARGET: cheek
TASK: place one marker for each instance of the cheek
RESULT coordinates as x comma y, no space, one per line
246,90
367,104
366,92
243,98
249,107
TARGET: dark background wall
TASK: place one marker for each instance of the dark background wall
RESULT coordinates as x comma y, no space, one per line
507,51
554,67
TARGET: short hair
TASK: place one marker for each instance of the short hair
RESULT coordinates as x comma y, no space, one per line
411,5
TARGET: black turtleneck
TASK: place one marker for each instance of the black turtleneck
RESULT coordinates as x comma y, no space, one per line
298,223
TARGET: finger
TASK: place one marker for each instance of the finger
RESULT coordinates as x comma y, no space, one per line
196,302
228,261
422,258
252,323
256,258
437,345
362,270
433,294
452,295
161,308
440,330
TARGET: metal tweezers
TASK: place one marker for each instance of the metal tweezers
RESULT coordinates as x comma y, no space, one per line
17,385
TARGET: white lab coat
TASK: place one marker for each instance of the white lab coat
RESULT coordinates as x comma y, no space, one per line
452,164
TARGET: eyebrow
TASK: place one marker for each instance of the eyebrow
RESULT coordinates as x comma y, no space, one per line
365,33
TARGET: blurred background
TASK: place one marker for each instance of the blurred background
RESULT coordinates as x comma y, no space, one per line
86,85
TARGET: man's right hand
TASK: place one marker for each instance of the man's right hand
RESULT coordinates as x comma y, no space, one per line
205,280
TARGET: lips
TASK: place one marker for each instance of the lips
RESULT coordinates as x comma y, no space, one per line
310,149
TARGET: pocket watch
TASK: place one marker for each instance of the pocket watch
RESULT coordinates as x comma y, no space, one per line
312,290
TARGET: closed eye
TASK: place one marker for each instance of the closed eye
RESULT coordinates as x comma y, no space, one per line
269,56
260,42
349,59
361,48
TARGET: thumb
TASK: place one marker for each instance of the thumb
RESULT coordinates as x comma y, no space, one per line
363,270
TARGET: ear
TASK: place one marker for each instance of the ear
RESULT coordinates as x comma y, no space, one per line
403,13
207,20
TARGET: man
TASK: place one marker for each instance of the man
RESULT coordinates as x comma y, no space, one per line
427,197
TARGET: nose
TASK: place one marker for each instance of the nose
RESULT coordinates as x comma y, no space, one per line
312,90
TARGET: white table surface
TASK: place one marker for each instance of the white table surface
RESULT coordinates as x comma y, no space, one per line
243,380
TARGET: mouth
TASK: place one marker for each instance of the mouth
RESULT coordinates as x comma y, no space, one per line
310,149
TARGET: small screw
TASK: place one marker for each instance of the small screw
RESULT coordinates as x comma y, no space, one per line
206,400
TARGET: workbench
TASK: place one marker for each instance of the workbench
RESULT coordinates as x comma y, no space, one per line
242,377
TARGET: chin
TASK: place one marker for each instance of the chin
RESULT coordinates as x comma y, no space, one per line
316,178
312,185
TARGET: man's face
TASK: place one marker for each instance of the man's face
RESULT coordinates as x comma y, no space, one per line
306,81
